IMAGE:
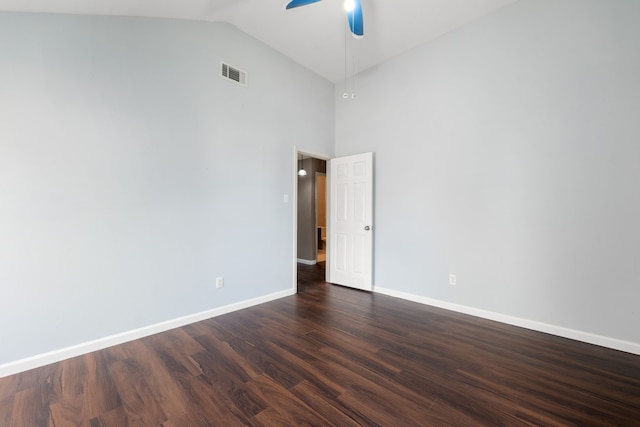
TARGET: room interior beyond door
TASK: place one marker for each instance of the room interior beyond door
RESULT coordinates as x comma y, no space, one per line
311,211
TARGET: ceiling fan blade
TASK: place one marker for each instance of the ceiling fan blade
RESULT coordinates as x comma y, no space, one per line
297,3
355,20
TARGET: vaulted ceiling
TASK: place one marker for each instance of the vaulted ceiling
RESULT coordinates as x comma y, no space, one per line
313,36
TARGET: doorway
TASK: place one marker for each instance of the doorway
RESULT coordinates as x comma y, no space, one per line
347,238
311,214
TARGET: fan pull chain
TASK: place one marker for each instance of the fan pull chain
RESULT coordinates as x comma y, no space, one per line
353,77
345,95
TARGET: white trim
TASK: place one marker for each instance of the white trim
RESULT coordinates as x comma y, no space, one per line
101,343
307,261
315,155
294,207
614,343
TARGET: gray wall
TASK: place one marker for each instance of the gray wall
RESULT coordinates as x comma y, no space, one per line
508,153
127,173
307,231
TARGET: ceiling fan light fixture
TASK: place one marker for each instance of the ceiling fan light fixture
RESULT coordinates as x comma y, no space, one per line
353,8
349,5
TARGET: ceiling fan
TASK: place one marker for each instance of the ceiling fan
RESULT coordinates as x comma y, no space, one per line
354,13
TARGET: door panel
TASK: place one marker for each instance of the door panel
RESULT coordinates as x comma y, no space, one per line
341,252
350,221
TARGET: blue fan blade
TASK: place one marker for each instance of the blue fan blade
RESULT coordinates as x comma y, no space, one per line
355,20
298,3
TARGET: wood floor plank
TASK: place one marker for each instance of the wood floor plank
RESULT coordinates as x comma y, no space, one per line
115,417
178,345
285,374
100,393
163,386
227,382
337,357
443,414
138,400
383,408
310,371
29,409
212,405
69,411
290,410
6,410
359,378
331,409
9,386
236,369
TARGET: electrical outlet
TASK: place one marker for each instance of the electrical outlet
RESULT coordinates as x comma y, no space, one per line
452,279
219,282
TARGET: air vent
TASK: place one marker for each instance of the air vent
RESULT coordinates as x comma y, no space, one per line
233,73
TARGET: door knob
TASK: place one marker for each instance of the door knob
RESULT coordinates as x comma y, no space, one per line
367,228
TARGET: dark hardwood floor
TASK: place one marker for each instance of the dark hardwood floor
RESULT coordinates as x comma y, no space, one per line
332,356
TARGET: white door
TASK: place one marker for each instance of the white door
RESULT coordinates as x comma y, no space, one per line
350,254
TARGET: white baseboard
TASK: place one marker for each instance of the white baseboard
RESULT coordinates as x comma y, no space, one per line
101,343
307,261
613,343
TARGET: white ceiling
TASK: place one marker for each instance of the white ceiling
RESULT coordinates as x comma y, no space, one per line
313,36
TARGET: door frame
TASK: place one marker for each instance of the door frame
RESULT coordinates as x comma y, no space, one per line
297,152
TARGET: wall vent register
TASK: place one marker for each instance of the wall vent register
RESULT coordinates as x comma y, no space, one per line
232,73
